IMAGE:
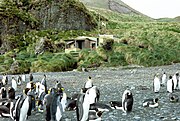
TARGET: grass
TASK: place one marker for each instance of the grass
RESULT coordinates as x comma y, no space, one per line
140,43
117,17
139,40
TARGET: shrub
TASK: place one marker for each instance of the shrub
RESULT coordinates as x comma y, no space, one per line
91,60
2,59
49,62
47,56
117,59
22,55
20,66
83,54
107,44
39,66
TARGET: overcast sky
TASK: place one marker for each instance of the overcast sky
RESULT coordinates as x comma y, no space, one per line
156,8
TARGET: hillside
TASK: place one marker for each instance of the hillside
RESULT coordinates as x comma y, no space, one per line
114,5
34,35
119,17
176,19
18,17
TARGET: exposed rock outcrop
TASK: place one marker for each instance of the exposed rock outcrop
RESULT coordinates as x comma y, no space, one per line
18,17
115,6
43,45
63,15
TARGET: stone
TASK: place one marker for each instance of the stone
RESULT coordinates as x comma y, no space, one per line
43,45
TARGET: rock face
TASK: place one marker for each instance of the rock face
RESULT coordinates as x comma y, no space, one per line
43,45
18,17
115,6
63,15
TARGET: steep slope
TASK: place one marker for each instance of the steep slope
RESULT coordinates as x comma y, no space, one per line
17,17
114,5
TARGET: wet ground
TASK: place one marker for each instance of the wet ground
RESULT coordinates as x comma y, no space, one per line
112,82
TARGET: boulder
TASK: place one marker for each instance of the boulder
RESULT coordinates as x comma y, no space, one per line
14,69
43,45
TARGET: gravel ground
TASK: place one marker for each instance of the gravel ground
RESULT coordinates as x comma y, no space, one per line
112,82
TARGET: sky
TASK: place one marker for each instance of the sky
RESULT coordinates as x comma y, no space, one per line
156,8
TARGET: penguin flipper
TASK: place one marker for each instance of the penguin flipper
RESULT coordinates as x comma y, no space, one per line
30,106
79,107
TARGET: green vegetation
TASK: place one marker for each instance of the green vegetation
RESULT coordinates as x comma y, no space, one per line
138,40
176,19
117,17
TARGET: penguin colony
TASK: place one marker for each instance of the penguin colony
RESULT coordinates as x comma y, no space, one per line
54,101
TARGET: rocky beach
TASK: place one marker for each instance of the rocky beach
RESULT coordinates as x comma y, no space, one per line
112,82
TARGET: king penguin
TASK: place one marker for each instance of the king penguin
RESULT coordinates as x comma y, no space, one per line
83,103
116,104
179,83
48,102
3,92
56,106
30,77
11,93
96,110
19,80
88,84
127,101
14,83
21,108
173,98
170,85
64,101
23,77
175,80
5,79
156,83
153,103
163,79
5,103
43,83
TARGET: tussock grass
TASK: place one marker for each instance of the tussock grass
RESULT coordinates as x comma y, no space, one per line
139,40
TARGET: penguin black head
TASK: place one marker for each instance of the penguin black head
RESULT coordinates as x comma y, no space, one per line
33,86
83,90
172,98
51,91
59,87
128,94
111,103
156,100
11,93
177,74
89,77
99,113
26,90
170,77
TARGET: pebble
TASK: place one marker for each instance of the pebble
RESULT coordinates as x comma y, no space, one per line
112,84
